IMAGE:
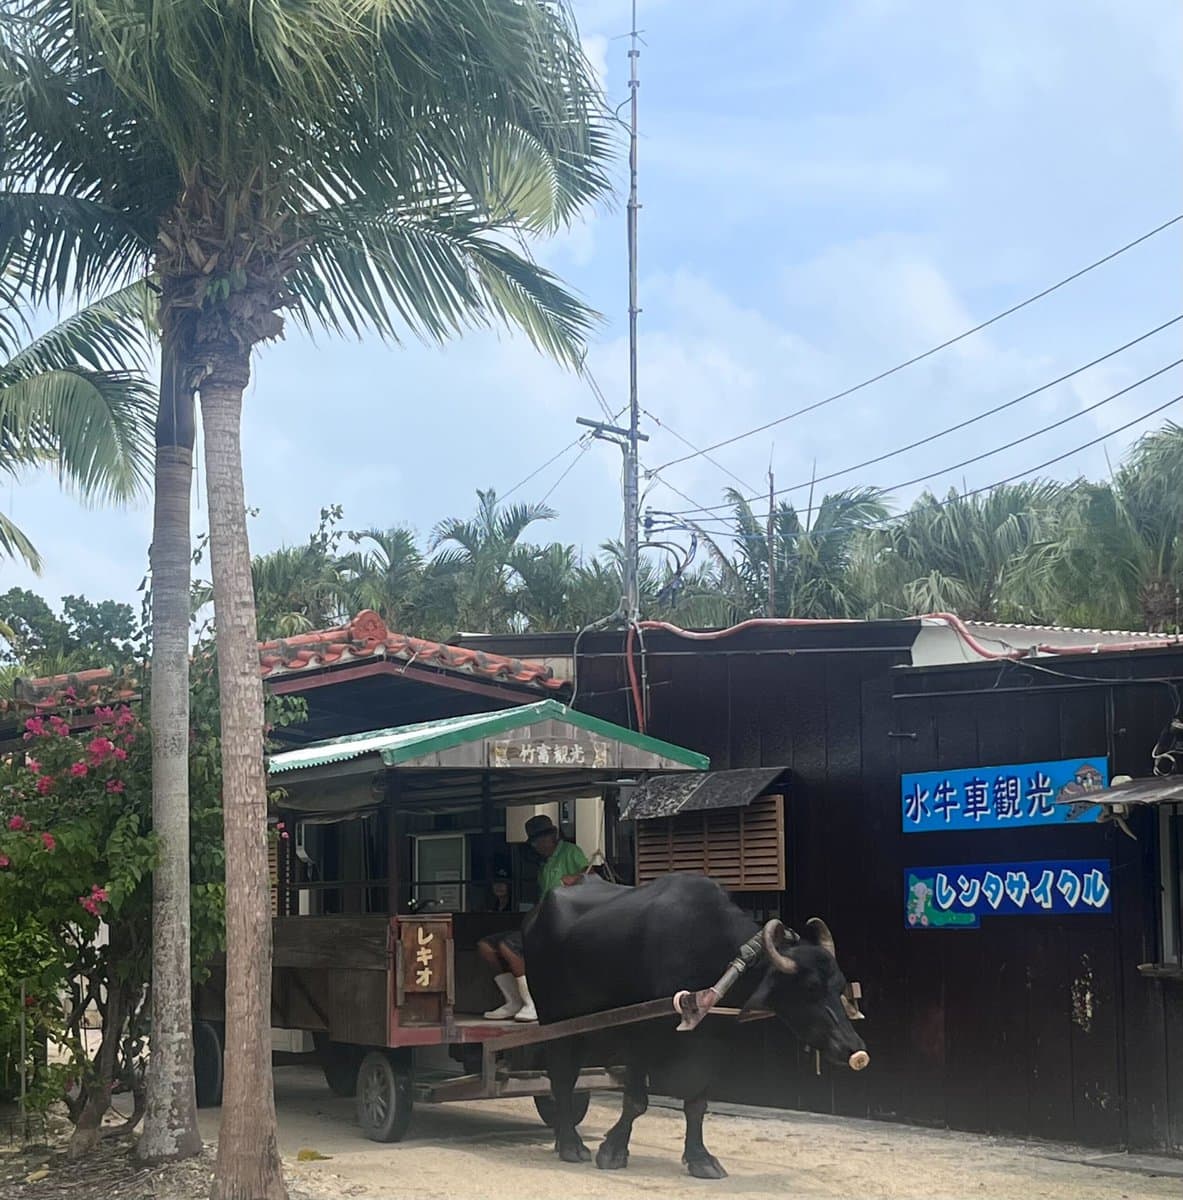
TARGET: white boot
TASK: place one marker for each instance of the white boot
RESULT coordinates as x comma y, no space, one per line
527,1011
506,985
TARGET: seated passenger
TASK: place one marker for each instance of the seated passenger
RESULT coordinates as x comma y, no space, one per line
563,864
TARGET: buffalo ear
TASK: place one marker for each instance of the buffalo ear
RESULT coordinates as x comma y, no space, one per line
758,1002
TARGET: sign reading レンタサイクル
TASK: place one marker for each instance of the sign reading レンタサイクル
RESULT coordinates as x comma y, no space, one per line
1008,797
958,897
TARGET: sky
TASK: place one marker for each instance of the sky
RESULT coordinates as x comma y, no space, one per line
827,191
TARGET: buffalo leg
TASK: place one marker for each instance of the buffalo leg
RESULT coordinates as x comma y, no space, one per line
563,1062
613,1154
700,1162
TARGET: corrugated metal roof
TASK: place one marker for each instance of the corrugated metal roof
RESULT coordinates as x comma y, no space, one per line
405,742
1155,790
668,795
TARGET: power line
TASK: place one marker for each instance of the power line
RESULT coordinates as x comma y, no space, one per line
687,442
587,440
940,433
538,470
927,353
959,496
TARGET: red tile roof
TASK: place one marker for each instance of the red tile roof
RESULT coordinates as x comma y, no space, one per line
366,638
91,688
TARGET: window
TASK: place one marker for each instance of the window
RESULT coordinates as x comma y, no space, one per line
743,849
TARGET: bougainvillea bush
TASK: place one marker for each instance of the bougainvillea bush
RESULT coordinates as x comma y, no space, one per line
76,856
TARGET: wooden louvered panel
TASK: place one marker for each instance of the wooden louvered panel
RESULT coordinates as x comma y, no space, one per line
742,848
273,873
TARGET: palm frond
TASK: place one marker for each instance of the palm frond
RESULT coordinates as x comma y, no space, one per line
14,544
96,426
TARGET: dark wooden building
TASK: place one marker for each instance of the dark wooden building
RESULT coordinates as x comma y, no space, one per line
1065,1026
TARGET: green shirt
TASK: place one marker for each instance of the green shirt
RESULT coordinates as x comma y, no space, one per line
567,859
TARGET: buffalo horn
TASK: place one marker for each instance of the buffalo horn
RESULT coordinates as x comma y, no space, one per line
772,933
822,935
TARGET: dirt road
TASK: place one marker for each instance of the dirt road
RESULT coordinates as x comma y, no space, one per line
500,1151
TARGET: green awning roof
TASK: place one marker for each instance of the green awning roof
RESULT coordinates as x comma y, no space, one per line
541,735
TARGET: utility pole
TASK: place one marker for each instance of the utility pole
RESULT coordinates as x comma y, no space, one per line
770,533
628,439
632,553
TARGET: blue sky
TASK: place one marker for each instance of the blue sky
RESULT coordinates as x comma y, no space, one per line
828,189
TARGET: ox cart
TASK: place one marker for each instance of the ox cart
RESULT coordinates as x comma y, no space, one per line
381,893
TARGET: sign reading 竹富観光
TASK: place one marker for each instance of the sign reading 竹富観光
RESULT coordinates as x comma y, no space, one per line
958,897
1008,797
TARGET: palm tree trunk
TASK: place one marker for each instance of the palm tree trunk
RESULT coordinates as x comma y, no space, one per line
248,1165
170,1121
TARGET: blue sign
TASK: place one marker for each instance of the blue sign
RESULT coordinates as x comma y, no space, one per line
1001,797
958,897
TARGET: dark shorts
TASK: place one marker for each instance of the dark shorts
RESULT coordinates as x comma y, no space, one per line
511,939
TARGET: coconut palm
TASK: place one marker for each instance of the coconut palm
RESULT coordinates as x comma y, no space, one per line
810,554
351,164
68,402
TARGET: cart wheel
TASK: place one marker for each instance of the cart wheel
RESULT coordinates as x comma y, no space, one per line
340,1064
384,1096
546,1107
208,1044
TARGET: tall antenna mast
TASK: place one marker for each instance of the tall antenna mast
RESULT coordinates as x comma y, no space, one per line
632,460
629,439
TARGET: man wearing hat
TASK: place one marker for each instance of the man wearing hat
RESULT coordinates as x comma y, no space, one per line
563,864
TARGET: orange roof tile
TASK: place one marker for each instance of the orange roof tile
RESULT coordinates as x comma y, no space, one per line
366,637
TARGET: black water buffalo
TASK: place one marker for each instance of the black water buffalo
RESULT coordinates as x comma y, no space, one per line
596,946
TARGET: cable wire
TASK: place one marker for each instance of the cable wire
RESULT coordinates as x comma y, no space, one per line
940,433
1014,308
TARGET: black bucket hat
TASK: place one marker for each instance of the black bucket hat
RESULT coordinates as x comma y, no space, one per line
539,826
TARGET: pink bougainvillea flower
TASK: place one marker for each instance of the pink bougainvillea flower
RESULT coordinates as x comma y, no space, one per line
88,903
32,766
70,694
60,727
119,754
35,726
98,748
44,785
5,862
98,893
115,786
17,822
49,842
124,718
78,769
104,714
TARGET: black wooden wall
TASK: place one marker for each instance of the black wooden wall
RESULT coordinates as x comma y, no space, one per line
1036,1026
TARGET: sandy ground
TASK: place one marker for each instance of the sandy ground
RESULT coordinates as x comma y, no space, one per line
500,1151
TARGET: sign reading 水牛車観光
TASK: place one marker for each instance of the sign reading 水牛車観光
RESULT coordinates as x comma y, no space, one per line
1009,797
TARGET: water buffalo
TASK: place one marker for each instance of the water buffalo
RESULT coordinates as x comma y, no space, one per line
597,946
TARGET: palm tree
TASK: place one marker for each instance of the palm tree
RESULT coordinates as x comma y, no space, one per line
981,556
1120,560
478,555
69,403
353,165
810,555
386,573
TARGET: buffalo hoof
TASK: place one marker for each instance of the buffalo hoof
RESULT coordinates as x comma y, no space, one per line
611,1158
574,1152
706,1168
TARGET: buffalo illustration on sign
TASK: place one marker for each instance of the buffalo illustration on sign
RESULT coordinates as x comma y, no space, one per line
957,897
1017,796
